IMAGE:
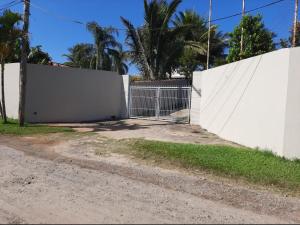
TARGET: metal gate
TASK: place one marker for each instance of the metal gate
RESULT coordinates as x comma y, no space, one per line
160,103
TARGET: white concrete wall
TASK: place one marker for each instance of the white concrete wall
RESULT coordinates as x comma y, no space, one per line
253,102
11,79
125,96
56,94
291,146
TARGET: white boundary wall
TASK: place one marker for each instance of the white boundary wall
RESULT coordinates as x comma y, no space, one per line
56,94
253,102
11,88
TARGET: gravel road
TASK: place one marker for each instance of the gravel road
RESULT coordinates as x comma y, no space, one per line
49,188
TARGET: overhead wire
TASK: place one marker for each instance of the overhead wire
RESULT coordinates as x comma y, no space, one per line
10,4
248,11
67,19
60,17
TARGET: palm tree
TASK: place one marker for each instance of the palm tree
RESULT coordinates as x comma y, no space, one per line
195,37
38,56
137,51
104,41
81,56
155,47
9,34
119,58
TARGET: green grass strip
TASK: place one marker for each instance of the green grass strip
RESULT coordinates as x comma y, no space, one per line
12,128
253,165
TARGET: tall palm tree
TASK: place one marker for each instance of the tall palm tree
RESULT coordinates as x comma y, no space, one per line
9,34
195,37
104,40
154,47
137,51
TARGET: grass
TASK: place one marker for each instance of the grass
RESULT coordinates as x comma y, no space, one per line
252,165
12,128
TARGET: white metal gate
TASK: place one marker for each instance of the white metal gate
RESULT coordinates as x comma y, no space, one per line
160,103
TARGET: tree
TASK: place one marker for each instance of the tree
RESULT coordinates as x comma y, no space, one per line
118,60
154,47
104,41
137,53
9,35
284,43
195,37
81,56
257,39
38,56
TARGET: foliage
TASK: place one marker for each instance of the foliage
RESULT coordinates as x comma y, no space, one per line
104,41
9,36
105,54
38,56
118,60
159,50
257,39
84,56
284,43
12,128
154,47
195,36
235,162
81,56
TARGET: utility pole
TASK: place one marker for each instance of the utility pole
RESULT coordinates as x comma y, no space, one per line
23,66
242,32
295,30
209,33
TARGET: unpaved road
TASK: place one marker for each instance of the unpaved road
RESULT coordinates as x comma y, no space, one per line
41,181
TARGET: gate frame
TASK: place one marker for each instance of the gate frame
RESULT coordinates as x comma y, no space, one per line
157,97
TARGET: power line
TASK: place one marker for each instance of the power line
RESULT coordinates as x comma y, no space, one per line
60,17
9,5
78,22
248,11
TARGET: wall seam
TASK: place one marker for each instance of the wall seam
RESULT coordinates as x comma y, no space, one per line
286,103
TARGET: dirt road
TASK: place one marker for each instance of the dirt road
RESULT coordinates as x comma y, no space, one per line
39,184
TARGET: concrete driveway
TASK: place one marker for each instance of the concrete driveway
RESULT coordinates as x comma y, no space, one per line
150,130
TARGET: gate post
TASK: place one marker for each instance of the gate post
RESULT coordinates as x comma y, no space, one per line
157,110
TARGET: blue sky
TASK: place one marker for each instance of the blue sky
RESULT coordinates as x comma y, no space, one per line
51,28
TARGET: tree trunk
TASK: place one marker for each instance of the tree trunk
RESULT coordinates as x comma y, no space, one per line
100,58
97,60
4,117
141,47
1,114
1,111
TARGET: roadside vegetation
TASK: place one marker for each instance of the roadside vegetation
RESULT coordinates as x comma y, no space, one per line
11,127
251,165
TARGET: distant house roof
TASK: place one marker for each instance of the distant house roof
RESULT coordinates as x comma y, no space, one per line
57,64
176,75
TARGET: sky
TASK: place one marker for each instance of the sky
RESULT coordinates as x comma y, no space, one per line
51,26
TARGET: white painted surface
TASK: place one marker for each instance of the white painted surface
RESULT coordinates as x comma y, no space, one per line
253,102
56,94
291,147
125,96
11,79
